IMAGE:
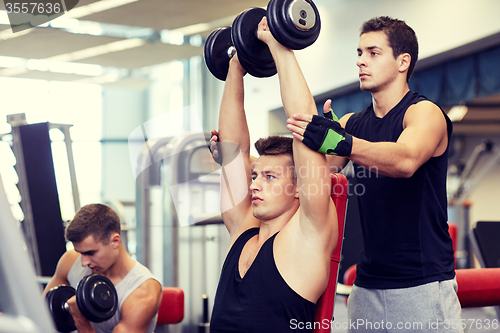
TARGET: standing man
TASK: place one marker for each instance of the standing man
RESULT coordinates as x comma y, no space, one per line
98,248
399,148
283,233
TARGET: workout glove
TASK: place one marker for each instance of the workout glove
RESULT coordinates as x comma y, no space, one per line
325,135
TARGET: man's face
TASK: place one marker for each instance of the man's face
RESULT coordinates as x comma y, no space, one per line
273,186
377,66
97,256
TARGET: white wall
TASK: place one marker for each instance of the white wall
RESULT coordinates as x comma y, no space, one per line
124,110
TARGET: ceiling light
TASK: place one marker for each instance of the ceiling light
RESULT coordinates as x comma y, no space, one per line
77,12
172,37
457,113
37,65
202,27
11,62
96,7
75,68
4,18
99,50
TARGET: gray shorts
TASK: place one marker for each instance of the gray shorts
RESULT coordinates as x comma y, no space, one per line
432,307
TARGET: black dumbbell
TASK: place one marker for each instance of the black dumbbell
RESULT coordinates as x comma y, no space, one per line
96,298
254,55
219,49
294,23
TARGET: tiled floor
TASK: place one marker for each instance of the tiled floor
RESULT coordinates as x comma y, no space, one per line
476,320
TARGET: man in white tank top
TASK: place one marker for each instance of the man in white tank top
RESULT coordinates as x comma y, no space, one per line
95,234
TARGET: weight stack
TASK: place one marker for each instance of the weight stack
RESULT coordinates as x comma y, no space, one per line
42,225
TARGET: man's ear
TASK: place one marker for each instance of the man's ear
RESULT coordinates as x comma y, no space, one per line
404,62
115,239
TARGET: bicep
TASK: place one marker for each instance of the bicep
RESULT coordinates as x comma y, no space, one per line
424,129
140,308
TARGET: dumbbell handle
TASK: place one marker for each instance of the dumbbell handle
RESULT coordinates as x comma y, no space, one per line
66,306
231,51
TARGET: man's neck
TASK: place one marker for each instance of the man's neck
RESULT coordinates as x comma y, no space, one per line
385,100
121,267
269,227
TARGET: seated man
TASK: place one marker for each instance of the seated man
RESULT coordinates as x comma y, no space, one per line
283,233
98,248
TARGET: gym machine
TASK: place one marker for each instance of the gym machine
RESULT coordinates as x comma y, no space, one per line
42,225
180,234
488,154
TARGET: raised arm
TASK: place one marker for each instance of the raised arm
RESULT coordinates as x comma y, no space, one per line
234,140
317,213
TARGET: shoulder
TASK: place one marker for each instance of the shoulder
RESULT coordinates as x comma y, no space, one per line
67,260
149,292
424,110
343,121
148,287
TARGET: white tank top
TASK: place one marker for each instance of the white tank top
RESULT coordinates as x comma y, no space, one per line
137,276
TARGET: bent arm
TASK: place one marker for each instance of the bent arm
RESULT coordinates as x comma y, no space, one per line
62,269
424,136
139,308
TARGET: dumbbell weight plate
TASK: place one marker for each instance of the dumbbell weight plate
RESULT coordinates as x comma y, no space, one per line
258,71
216,52
96,298
294,23
56,299
252,50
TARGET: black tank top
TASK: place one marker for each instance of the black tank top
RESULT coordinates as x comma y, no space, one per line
403,220
261,301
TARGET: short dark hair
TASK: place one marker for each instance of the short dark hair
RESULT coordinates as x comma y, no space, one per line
402,38
275,145
97,220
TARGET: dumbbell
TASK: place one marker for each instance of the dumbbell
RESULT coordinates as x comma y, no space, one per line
294,23
96,298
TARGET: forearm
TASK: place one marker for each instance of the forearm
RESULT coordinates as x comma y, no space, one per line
84,327
311,167
233,125
295,93
385,158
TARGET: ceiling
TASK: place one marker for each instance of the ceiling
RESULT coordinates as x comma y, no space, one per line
157,16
